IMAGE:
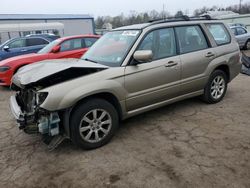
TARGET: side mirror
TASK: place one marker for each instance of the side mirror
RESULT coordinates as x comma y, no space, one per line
143,56
6,48
56,49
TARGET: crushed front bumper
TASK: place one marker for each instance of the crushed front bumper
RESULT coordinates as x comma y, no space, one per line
17,112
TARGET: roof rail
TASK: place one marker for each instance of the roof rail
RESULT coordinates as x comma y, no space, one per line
181,18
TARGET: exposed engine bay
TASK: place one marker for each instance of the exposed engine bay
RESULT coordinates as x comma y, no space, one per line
35,119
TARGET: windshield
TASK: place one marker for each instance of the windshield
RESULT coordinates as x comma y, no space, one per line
112,48
48,48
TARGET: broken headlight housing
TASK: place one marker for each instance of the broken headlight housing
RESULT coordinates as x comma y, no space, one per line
41,97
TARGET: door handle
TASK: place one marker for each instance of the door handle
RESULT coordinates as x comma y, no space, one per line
24,50
210,54
171,64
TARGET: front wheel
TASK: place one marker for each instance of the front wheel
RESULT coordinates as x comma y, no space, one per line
93,123
216,87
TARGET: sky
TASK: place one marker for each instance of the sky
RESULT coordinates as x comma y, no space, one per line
105,7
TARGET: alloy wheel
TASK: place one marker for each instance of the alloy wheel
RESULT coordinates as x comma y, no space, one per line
218,87
95,125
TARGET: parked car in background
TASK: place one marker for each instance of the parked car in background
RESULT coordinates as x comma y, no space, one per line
237,24
128,71
242,36
47,35
67,47
24,45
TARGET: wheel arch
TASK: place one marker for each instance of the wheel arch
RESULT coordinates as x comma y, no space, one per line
67,114
224,68
110,97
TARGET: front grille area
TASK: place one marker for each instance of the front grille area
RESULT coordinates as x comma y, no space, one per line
27,100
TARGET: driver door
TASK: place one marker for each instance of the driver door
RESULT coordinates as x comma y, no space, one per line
156,81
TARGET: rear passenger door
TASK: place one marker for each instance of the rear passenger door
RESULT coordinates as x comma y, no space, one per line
195,55
158,80
33,45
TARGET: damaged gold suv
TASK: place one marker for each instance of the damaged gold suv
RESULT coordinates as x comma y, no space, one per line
128,71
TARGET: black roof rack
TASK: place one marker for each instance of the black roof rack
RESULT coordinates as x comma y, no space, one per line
181,18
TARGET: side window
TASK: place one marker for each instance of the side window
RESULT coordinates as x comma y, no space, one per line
20,43
234,31
90,41
72,44
219,33
161,42
36,42
241,31
190,39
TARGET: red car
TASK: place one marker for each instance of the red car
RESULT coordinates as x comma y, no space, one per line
67,47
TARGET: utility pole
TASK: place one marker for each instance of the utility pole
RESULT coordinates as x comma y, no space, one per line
240,6
163,12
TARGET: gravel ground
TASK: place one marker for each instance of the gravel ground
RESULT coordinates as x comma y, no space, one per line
186,144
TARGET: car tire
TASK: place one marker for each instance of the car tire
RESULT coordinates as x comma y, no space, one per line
247,45
216,87
93,123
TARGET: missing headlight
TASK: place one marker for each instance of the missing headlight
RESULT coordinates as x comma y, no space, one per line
40,97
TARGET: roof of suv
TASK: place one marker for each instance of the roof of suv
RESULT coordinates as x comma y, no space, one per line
169,21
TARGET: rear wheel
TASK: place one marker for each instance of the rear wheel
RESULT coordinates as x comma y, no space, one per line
247,45
216,87
93,123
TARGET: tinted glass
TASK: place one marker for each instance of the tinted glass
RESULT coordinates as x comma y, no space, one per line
191,38
36,41
241,31
72,44
161,42
20,43
219,32
90,41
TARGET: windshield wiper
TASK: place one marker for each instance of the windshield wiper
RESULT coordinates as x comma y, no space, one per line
90,60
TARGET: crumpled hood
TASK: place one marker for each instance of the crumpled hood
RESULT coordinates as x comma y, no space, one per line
45,69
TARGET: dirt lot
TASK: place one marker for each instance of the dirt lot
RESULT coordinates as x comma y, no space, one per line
187,144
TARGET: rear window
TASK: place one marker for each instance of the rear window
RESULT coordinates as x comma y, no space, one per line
219,33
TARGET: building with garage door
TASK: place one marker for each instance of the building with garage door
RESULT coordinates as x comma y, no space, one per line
17,25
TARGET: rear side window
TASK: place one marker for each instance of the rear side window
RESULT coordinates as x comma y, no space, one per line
241,31
72,44
90,41
36,42
190,39
161,42
219,33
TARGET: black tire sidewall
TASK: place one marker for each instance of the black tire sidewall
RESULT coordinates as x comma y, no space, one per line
246,44
207,91
81,110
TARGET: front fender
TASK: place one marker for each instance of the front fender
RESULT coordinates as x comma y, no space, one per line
66,98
